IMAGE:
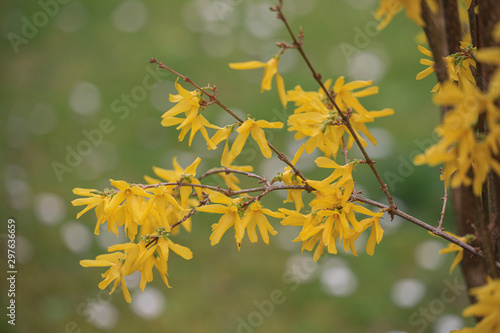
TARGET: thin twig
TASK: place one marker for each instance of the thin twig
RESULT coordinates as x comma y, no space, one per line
229,192
227,170
191,213
317,76
445,200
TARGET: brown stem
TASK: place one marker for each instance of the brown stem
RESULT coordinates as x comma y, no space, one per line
452,25
484,235
435,43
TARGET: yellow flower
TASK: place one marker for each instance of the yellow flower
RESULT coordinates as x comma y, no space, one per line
189,103
311,231
454,248
119,263
487,308
459,148
185,175
231,217
255,128
133,197
154,253
157,207
254,217
270,70
315,117
223,134
389,8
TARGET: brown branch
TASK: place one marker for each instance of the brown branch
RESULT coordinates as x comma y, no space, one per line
452,25
434,230
435,43
297,43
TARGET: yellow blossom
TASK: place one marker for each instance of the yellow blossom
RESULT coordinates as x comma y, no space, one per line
315,118
189,103
231,217
254,217
119,263
184,175
133,198
157,207
223,134
270,70
255,128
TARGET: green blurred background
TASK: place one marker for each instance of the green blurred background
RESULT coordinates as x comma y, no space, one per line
67,66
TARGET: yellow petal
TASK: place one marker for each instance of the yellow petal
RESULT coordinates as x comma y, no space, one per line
247,65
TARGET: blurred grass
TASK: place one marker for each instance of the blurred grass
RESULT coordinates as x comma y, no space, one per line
219,284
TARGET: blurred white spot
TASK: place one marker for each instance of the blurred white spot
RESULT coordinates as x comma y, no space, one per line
19,193
104,157
133,280
24,249
337,279
42,119
102,315
85,98
216,46
299,7
269,167
285,236
148,304
260,21
158,97
50,208
76,236
215,17
107,239
407,293
427,254
366,65
130,16
302,267
448,323
385,143
361,4
73,17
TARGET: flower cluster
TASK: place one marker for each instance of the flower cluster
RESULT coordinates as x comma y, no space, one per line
332,215
470,130
316,119
151,213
